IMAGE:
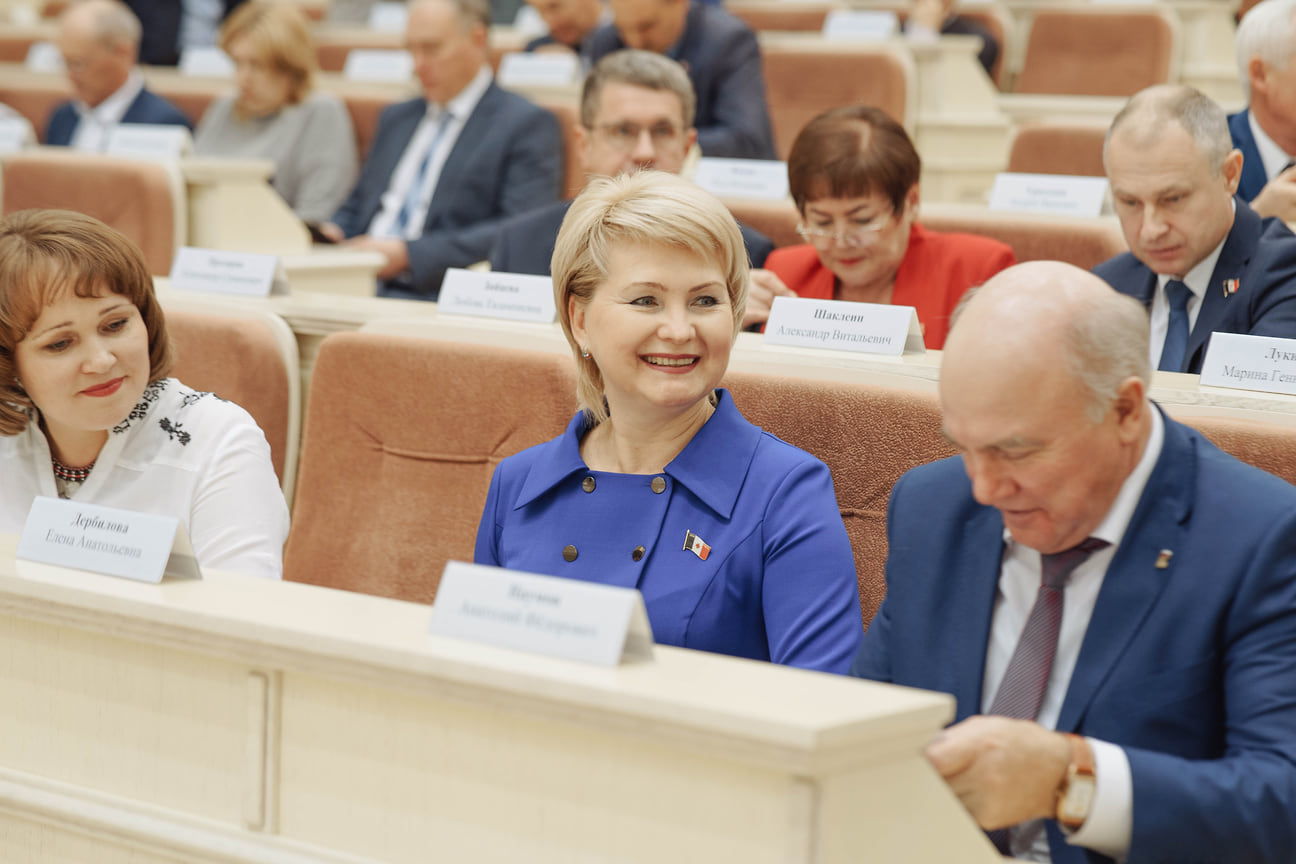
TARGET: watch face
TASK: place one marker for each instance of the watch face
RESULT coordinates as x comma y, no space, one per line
1077,801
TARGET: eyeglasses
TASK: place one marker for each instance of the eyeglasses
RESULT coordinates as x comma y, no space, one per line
858,235
624,136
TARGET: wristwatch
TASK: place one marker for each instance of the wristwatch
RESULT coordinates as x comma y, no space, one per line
1076,794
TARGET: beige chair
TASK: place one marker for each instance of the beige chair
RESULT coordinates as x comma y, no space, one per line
779,15
567,114
143,200
35,96
1099,50
1078,240
365,108
1059,147
1268,446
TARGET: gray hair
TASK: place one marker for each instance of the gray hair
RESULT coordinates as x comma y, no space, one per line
1268,32
646,69
1155,107
112,23
469,12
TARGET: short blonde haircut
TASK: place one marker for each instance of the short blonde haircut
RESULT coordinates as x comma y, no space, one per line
649,207
43,255
281,33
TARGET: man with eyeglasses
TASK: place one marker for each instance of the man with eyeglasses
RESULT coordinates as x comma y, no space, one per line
636,113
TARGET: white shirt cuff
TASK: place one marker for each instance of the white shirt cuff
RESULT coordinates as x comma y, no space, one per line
1111,821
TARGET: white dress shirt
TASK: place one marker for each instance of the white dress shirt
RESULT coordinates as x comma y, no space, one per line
1272,157
1110,822
460,109
95,123
1198,281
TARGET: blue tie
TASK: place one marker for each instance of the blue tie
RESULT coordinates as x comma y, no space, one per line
414,193
1176,340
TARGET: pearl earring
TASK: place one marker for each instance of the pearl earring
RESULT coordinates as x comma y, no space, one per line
585,352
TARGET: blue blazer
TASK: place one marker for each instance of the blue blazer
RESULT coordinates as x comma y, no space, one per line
722,59
526,243
508,159
148,107
1191,668
1259,254
779,582
1253,170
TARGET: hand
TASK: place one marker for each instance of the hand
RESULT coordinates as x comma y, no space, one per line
332,232
1278,197
765,286
1004,771
392,248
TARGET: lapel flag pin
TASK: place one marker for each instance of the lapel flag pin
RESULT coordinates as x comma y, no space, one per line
1163,559
696,545
1231,287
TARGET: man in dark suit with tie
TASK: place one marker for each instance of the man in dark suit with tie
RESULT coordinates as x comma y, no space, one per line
722,59
1120,592
99,41
445,170
1265,131
1200,259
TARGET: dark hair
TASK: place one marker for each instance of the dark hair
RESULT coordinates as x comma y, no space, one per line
852,151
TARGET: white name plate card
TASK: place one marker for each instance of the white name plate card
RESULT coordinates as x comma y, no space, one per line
564,618
1049,193
1263,363
860,24
214,271
516,296
207,62
15,134
867,328
44,57
759,179
540,69
389,17
107,540
364,64
149,141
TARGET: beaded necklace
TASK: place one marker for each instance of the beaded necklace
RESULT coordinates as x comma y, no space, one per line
71,475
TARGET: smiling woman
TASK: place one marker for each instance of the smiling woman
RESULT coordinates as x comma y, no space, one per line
87,412
733,536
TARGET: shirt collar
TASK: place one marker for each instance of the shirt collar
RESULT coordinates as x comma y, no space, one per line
111,110
1272,157
465,101
1198,278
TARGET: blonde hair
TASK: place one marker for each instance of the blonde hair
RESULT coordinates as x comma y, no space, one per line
648,207
282,34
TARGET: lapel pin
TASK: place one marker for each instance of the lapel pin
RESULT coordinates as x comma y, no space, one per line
696,545
1231,286
1163,559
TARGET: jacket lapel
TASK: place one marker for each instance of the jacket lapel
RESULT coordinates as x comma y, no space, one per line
971,603
475,131
1234,257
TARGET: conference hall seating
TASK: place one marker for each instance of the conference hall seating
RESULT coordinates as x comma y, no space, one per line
1059,147
1099,50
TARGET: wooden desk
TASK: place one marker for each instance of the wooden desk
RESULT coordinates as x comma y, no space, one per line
236,720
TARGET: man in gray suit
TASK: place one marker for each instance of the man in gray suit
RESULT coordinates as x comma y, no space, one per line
444,170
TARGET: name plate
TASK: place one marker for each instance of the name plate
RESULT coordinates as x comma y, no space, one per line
868,328
206,61
15,134
44,57
564,618
363,64
1263,363
148,141
542,69
516,296
860,24
759,179
219,272
107,540
389,17
1049,193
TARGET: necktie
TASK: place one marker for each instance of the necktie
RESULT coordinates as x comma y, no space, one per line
1176,340
415,191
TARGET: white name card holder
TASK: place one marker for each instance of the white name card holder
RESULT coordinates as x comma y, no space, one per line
149,141
839,325
1262,363
206,62
1053,194
140,546
756,179
860,24
389,17
212,271
44,57
15,134
366,64
539,69
564,618
516,296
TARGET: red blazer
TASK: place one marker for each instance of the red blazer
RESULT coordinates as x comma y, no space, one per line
937,269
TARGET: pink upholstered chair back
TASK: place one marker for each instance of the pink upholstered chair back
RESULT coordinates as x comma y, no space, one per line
1071,147
1082,241
1099,51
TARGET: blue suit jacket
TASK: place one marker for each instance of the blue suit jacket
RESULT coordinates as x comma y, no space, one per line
1191,668
508,159
148,107
722,59
1253,170
1259,254
525,243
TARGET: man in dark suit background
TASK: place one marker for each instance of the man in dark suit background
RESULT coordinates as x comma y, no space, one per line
1266,131
1200,259
721,57
168,23
445,170
99,41
1145,700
